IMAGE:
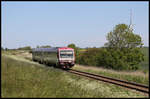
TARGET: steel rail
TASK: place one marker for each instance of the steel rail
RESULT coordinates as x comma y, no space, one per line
130,85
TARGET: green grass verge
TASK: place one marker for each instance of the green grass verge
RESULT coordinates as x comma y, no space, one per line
137,78
25,79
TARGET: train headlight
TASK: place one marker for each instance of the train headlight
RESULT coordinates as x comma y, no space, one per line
69,61
61,63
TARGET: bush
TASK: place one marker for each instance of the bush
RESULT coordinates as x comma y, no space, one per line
89,57
111,58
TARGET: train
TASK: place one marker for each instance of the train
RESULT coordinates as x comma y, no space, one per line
61,57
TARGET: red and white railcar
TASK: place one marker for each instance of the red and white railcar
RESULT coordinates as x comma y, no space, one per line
63,57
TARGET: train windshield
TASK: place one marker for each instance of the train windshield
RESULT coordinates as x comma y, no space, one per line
66,54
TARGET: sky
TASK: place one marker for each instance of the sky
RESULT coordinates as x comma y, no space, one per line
85,24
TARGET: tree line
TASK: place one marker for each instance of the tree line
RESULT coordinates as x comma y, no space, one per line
27,47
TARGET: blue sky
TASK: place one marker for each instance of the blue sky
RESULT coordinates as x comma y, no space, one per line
85,24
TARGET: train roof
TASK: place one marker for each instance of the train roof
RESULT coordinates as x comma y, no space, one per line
52,49
65,48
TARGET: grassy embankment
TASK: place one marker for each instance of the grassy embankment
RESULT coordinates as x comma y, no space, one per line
24,78
136,76
139,76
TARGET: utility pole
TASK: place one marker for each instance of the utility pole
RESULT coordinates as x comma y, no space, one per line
130,17
130,25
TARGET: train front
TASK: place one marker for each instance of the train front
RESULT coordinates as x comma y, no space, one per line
66,57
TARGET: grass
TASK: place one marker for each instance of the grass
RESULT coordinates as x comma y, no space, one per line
137,76
145,64
23,78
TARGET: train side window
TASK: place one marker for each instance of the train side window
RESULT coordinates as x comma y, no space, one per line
45,54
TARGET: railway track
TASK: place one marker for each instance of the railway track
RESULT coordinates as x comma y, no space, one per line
126,84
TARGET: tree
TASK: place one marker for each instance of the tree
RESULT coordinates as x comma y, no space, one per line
72,46
6,49
124,48
123,37
2,48
37,46
44,46
25,48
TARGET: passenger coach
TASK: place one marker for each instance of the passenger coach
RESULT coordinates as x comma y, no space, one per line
62,57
